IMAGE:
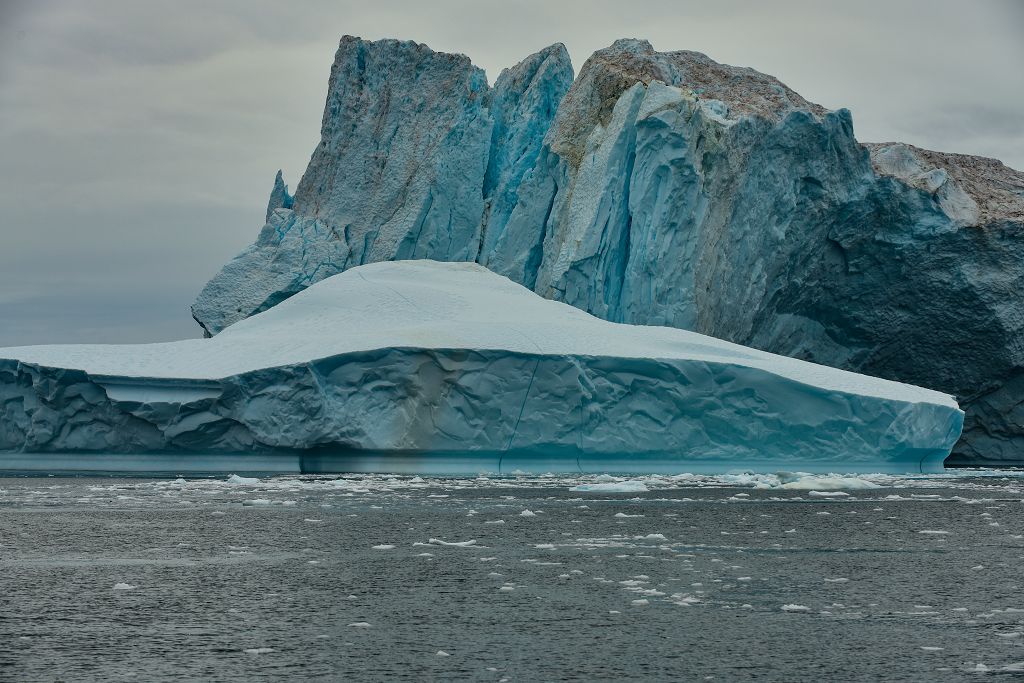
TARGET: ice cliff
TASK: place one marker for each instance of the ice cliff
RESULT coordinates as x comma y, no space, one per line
421,366
666,189
404,169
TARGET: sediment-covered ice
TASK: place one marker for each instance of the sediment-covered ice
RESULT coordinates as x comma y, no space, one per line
420,366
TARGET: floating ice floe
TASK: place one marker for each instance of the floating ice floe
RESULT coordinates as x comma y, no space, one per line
235,479
532,385
454,544
631,486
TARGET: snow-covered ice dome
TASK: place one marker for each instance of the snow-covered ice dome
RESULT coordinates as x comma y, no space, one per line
446,367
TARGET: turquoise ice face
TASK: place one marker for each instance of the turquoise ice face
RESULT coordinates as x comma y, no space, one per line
431,367
665,189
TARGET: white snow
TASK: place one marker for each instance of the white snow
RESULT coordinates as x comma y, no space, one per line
426,304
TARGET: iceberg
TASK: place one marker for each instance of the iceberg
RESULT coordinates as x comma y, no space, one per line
448,368
664,188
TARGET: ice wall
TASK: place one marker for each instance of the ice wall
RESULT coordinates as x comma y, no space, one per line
428,366
667,189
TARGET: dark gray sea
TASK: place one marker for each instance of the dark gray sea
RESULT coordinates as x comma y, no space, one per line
726,578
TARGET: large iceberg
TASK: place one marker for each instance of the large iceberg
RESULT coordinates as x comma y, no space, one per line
664,188
421,366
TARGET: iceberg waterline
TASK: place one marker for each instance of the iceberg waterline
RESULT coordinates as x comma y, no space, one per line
664,189
421,366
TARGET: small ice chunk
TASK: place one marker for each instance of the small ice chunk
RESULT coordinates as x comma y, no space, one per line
623,515
631,486
258,650
652,537
827,494
836,580
795,608
442,653
640,602
360,624
235,479
124,587
828,483
932,648
456,544
527,513
383,546
933,532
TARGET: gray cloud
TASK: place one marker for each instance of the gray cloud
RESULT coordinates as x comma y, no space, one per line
140,139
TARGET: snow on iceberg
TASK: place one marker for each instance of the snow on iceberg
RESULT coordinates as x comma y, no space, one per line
427,367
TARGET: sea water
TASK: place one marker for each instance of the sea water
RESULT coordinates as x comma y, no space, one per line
375,577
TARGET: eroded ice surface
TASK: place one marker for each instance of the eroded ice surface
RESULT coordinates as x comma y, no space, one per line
423,366
664,188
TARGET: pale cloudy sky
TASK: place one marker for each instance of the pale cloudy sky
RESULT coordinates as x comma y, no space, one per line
139,140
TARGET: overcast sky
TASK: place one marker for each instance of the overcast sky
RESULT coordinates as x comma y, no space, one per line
139,140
